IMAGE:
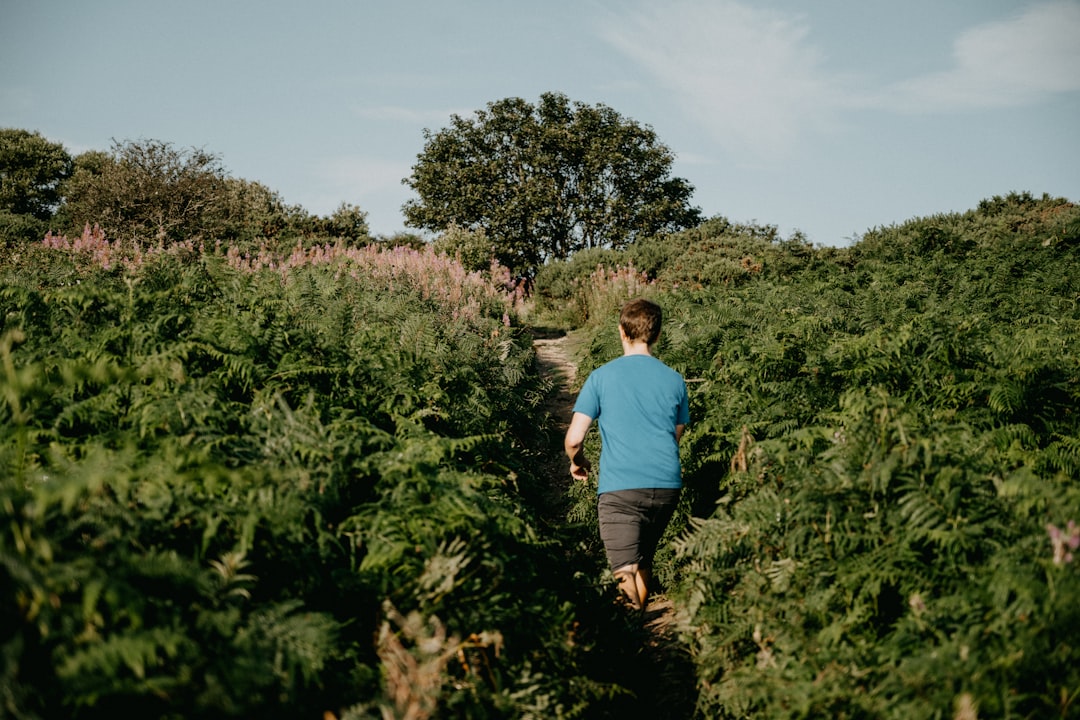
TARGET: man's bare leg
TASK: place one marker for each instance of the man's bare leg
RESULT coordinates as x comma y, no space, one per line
633,581
643,577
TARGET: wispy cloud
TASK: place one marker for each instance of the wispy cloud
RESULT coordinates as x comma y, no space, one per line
397,114
748,75
752,78
1007,63
407,115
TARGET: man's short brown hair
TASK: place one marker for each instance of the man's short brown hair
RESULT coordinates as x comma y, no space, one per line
640,319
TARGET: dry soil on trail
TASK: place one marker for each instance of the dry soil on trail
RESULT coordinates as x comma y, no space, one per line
556,367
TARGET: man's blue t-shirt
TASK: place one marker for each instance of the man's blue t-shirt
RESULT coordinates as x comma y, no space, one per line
637,401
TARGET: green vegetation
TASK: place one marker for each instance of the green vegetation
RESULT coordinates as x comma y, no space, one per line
150,194
258,463
882,462
232,489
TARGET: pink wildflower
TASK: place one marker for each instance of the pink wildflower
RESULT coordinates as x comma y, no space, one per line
1063,541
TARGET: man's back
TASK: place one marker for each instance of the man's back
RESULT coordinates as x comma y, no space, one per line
637,402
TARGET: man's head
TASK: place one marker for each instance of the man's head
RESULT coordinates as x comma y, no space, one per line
640,320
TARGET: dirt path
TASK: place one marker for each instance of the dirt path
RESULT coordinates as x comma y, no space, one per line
560,370
666,659
556,366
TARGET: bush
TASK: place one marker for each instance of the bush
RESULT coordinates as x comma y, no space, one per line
225,478
880,468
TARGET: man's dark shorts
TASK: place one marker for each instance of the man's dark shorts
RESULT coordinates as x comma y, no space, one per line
632,523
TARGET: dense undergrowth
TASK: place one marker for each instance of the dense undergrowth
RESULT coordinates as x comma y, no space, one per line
280,487
882,463
284,486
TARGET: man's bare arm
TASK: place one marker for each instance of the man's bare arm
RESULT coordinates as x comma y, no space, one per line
573,444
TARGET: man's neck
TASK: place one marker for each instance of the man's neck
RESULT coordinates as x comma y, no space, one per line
636,348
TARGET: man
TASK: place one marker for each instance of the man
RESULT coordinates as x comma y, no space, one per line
641,407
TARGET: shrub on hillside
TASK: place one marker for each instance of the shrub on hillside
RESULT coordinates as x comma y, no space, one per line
881,470
225,483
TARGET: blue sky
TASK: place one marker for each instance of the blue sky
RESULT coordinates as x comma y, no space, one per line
831,117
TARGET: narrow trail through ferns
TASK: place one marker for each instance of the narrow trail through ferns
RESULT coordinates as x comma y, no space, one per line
560,371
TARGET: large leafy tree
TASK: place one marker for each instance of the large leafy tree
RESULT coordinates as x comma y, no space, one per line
548,180
32,170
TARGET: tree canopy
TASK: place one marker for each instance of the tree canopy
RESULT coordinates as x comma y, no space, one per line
151,192
32,170
548,180
32,174
148,191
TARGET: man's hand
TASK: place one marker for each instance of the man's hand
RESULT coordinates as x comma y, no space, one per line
579,468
